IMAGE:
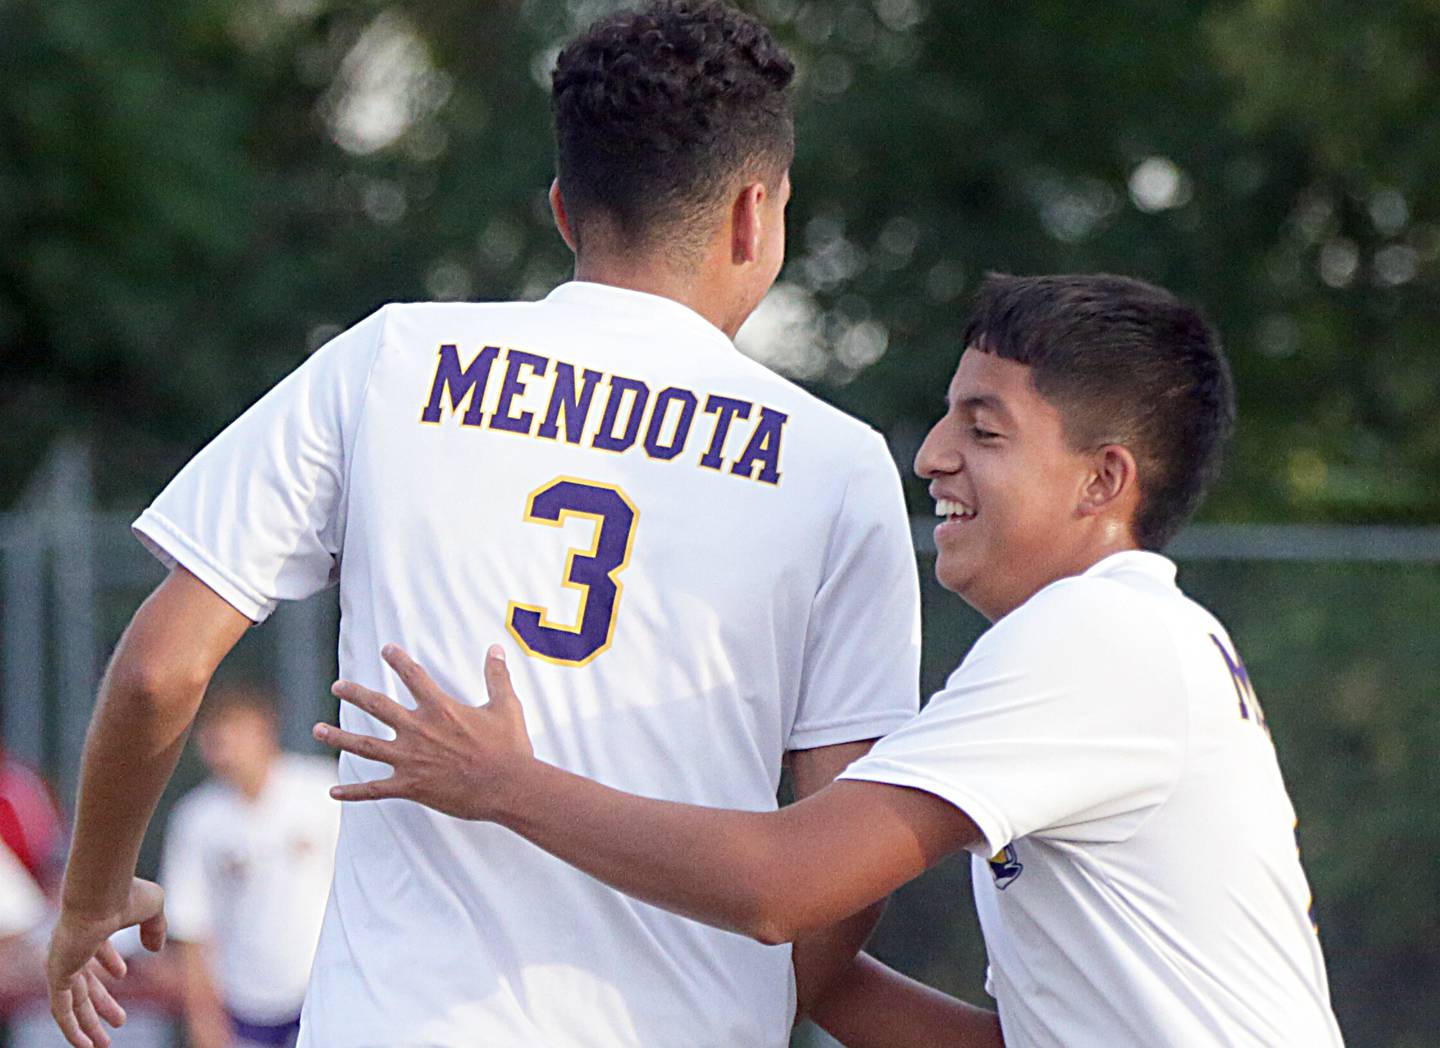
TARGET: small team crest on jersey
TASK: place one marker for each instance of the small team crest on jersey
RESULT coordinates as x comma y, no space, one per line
1005,867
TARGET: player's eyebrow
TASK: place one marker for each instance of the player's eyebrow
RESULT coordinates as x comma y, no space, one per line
986,402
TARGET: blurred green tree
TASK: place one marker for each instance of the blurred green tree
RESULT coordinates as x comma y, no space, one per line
191,196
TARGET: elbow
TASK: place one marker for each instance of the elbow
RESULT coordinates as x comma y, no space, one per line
772,933
780,897
147,683
771,917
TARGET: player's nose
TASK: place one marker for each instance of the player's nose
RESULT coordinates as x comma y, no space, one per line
938,455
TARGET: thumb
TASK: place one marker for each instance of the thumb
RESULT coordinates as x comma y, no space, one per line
152,933
147,909
497,681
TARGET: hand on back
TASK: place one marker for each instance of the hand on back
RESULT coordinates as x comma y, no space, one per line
457,759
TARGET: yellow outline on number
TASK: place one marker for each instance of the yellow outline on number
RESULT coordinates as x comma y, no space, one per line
584,588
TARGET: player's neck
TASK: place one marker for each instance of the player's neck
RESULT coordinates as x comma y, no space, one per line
1096,544
688,287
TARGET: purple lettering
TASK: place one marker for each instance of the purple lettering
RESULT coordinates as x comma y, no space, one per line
606,439
514,386
725,410
566,402
763,449
687,402
469,382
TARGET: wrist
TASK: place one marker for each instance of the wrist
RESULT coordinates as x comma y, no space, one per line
86,908
519,792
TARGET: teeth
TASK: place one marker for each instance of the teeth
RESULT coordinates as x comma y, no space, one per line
949,508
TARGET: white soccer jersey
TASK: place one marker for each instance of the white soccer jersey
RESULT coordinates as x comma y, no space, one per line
251,878
1142,884
696,566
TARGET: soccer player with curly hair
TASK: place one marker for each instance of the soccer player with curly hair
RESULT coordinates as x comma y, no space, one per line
601,476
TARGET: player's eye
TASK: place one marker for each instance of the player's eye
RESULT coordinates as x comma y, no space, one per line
980,433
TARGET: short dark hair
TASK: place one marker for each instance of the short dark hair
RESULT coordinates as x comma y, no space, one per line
1127,363
661,109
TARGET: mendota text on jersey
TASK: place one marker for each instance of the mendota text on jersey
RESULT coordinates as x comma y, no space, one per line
665,418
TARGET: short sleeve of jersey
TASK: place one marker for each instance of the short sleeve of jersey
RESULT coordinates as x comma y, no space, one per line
258,514
1066,720
862,647
188,908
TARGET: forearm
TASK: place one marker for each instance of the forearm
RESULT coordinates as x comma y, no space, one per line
823,956
724,868
770,875
136,735
872,1006
147,700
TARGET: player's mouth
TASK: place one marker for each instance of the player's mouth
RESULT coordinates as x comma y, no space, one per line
954,510
955,517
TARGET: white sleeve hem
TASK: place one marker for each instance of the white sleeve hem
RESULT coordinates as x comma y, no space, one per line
872,725
171,546
985,817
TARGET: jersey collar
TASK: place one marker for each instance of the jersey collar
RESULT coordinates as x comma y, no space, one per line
640,304
1153,565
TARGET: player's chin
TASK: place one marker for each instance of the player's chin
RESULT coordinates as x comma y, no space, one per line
955,571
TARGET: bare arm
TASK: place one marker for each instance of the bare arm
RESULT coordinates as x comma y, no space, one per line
872,1006
147,701
821,956
773,876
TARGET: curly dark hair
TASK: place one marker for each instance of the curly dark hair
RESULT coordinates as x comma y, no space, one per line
1126,363
662,110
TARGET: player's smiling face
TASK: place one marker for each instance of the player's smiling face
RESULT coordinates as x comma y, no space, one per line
1007,484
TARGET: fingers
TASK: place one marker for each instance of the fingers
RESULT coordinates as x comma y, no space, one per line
497,678
62,1010
75,1014
100,996
380,706
420,683
375,790
110,959
85,1011
366,746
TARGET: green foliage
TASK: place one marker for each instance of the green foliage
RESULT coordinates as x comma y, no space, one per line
191,196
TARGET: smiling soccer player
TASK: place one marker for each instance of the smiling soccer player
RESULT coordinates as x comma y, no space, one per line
1100,752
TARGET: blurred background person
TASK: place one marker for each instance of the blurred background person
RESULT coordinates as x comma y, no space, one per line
246,868
31,825
22,909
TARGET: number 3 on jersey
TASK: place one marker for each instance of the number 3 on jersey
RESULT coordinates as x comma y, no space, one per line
593,572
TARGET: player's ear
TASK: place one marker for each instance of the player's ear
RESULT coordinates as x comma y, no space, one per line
562,218
747,222
1111,482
